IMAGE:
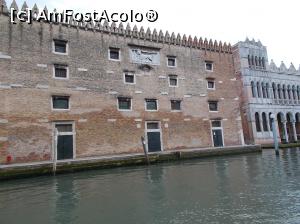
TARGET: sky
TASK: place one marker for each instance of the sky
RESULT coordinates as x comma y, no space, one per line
275,23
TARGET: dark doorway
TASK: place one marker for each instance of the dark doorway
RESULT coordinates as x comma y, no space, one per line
65,139
153,136
64,147
217,137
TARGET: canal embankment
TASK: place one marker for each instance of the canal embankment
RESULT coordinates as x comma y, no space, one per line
281,145
47,168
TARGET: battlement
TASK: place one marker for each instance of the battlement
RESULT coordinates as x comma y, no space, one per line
141,33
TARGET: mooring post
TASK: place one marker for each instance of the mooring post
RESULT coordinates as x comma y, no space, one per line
54,151
145,150
272,116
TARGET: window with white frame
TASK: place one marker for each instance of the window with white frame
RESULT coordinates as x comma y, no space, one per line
114,54
175,105
171,61
61,71
151,104
129,77
173,80
210,84
124,103
60,102
60,46
209,66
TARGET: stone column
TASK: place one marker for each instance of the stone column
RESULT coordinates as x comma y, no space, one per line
294,131
285,132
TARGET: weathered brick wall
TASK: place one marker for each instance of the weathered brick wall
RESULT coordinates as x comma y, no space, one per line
27,85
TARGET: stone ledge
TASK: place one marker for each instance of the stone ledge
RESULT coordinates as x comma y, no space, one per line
46,168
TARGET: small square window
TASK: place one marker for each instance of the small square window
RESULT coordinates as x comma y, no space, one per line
213,105
60,102
171,61
60,46
173,80
151,104
114,54
216,124
175,105
129,77
124,103
211,84
60,71
208,65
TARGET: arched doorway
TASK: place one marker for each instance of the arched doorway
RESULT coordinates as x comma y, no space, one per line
297,116
289,126
280,120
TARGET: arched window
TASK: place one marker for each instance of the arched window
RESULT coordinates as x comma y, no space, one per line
279,91
264,120
253,89
249,61
257,122
252,60
294,93
258,89
274,90
263,90
263,63
298,93
259,62
256,62
289,92
267,90
283,91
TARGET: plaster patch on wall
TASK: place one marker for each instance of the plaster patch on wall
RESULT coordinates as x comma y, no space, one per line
16,85
164,93
112,120
166,119
187,119
3,139
80,88
110,72
42,65
82,120
82,69
162,77
42,86
3,121
113,92
138,92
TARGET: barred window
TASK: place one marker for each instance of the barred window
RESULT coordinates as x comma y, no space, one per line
60,102
60,46
60,71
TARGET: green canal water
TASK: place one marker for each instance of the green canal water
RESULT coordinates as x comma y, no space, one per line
253,188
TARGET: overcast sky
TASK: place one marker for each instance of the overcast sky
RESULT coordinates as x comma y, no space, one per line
275,23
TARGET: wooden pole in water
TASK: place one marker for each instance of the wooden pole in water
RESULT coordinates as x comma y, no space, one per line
54,151
145,150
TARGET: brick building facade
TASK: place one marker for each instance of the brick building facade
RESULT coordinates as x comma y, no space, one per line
79,90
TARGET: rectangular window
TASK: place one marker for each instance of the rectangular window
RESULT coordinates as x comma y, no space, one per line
152,125
173,80
129,77
171,61
60,71
60,102
216,124
60,46
175,105
151,104
114,54
124,103
213,105
210,84
208,65
64,127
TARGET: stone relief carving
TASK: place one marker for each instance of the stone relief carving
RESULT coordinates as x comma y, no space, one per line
144,57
